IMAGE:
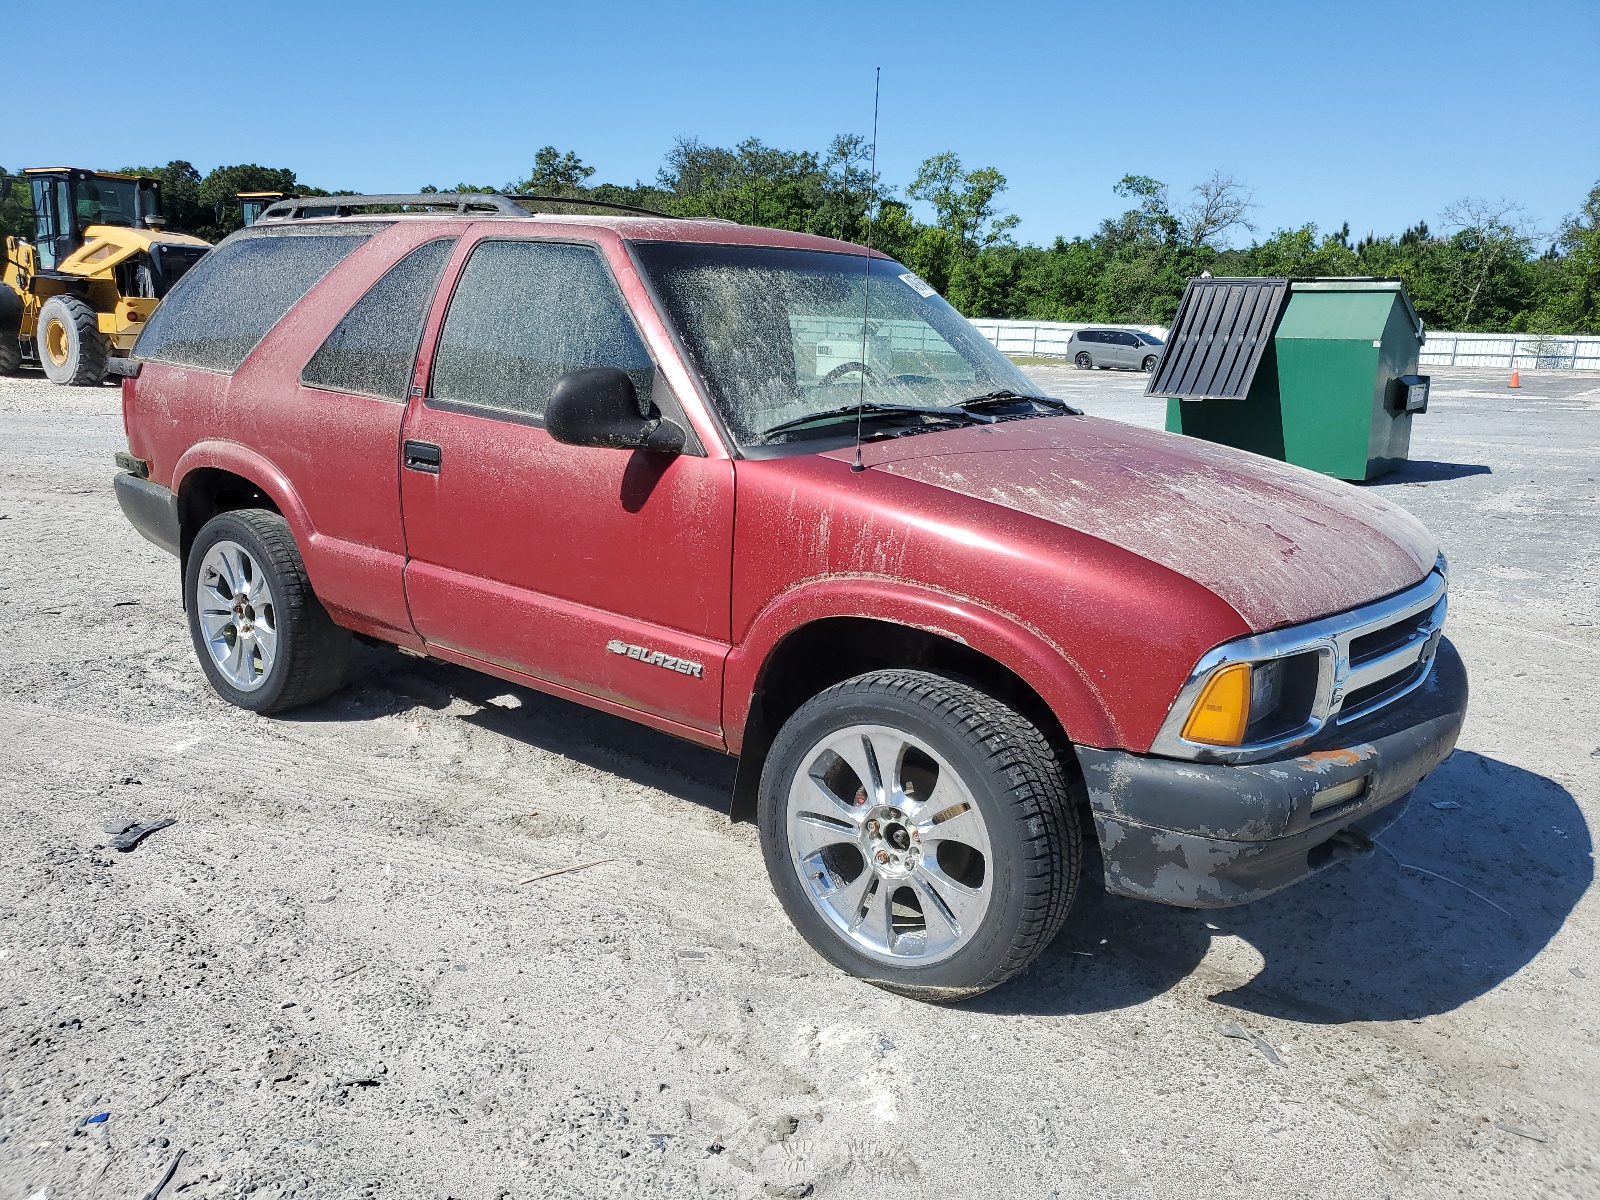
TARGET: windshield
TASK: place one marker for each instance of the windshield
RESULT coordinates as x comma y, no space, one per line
109,202
778,335
1149,339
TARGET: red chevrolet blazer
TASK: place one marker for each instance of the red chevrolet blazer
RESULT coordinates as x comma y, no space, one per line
770,493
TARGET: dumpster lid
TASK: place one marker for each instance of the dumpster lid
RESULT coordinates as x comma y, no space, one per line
1222,329
1363,283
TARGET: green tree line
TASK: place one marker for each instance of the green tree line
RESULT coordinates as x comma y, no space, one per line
1486,268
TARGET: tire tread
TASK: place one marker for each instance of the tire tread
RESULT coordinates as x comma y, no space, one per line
320,650
1013,747
90,368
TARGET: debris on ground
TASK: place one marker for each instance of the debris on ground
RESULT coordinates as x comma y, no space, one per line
563,871
1533,1135
132,834
1232,1029
1445,804
172,1169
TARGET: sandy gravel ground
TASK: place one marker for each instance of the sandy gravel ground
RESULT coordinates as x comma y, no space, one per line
324,981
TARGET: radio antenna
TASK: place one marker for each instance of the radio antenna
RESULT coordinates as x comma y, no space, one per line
866,291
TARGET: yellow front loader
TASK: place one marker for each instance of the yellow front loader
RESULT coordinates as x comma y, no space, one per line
100,261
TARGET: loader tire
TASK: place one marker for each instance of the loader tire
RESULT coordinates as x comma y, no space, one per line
71,348
10,331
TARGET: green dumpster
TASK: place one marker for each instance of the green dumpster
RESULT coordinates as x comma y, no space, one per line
1316,372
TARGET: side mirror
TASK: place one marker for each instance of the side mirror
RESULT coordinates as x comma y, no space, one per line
599,407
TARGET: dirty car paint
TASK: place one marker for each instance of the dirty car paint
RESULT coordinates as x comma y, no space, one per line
1280,544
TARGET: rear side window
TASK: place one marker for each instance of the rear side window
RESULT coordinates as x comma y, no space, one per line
222,308
372,351
1089,335
526,313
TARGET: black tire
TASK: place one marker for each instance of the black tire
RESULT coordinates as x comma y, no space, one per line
70,346
1148,366
1010,770
10,331
311,651
1082,361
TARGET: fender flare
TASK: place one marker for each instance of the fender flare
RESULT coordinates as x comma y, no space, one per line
251,465
1027,652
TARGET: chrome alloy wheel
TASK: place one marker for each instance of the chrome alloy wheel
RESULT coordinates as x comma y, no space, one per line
237,615
889,845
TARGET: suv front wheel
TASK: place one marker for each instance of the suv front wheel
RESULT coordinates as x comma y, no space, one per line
264,640
919,833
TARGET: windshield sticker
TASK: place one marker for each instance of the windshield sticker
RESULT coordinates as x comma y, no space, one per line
916,285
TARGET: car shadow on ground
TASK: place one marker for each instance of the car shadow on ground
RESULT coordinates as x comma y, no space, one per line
1424,470
1487,880
384,682
1464,890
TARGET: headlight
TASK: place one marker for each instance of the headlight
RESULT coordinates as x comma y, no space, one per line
1257,696
1250,702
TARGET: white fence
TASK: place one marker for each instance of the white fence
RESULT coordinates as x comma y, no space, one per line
1046,339
1507,351
1511,351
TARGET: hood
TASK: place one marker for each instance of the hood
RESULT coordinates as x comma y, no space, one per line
1278,543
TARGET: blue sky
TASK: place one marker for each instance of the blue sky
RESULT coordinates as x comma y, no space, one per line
1372,113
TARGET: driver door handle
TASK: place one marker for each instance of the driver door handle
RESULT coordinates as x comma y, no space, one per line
422,456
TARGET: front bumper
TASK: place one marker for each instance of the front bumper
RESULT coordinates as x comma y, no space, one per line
1210,836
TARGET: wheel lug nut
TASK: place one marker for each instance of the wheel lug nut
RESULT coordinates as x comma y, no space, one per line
872,828
883,856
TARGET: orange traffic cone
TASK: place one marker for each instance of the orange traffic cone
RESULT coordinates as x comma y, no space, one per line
1516,379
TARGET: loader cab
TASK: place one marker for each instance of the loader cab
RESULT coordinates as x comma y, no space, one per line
67,200
253,204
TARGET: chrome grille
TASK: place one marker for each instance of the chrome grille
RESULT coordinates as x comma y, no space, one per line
1371,657
1378,662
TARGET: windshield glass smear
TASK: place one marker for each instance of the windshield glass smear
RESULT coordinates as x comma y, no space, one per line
779,337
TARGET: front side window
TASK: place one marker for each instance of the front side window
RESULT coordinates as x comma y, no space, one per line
781,336
222,308
373,350
526,313
106,202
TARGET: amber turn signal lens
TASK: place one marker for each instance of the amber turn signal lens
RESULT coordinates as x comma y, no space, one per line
1220,715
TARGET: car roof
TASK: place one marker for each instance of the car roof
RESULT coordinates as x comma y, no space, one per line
630,227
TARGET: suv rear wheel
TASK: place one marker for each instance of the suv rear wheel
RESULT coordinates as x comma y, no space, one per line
919,833
70,346
1082,360
264,640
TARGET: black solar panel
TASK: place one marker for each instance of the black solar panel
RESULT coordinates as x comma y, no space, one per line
1217,339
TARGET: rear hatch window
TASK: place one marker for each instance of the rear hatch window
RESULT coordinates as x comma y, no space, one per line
222,308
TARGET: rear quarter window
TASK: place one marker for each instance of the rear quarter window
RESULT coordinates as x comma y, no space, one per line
222,308
372,351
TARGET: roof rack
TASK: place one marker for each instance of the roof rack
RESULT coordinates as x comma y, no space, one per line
586,203
459,203
462,203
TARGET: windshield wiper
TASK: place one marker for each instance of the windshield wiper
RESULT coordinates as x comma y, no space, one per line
873,408
1007,396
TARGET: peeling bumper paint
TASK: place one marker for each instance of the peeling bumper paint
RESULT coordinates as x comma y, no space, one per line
1211,836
